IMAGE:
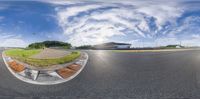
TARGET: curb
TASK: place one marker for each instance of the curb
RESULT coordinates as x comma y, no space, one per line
47,82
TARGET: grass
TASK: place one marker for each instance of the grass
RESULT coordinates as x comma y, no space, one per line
25,56
22,52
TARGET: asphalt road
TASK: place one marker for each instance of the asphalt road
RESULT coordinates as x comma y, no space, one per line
112,75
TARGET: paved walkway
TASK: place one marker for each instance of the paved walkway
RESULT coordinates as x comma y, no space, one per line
48,53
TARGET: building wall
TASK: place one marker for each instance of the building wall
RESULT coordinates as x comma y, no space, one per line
122,46
110,47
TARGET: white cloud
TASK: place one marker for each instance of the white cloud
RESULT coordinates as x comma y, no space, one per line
189,26
4,36
162,12
196,36
166,41
10,40
191,42
72,11
13,43
108,20
3,6
1,18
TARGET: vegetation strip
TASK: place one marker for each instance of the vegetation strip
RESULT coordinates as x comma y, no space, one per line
24,55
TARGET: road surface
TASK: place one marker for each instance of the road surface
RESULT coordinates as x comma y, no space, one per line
114,75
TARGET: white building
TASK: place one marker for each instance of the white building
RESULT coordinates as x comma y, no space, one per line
112,45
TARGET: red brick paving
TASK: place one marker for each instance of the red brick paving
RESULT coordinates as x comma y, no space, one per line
16,66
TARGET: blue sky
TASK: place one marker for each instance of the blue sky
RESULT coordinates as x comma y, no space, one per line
141,23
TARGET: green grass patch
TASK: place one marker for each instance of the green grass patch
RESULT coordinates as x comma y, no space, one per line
22,52
25,56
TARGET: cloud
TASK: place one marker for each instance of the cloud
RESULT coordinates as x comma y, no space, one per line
13,42
73,11
97,22
188,27
4,6
10,40
1,18
59,2
162,12
196,36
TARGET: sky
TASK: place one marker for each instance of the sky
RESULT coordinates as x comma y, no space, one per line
145,23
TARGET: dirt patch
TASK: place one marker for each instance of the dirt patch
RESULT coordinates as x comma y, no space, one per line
65,72
16,66
48,53
75,67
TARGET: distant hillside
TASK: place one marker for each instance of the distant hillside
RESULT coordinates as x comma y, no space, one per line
47,44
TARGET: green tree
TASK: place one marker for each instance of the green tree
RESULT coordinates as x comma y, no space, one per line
39,45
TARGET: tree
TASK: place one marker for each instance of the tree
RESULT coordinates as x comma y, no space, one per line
48,44
36,45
